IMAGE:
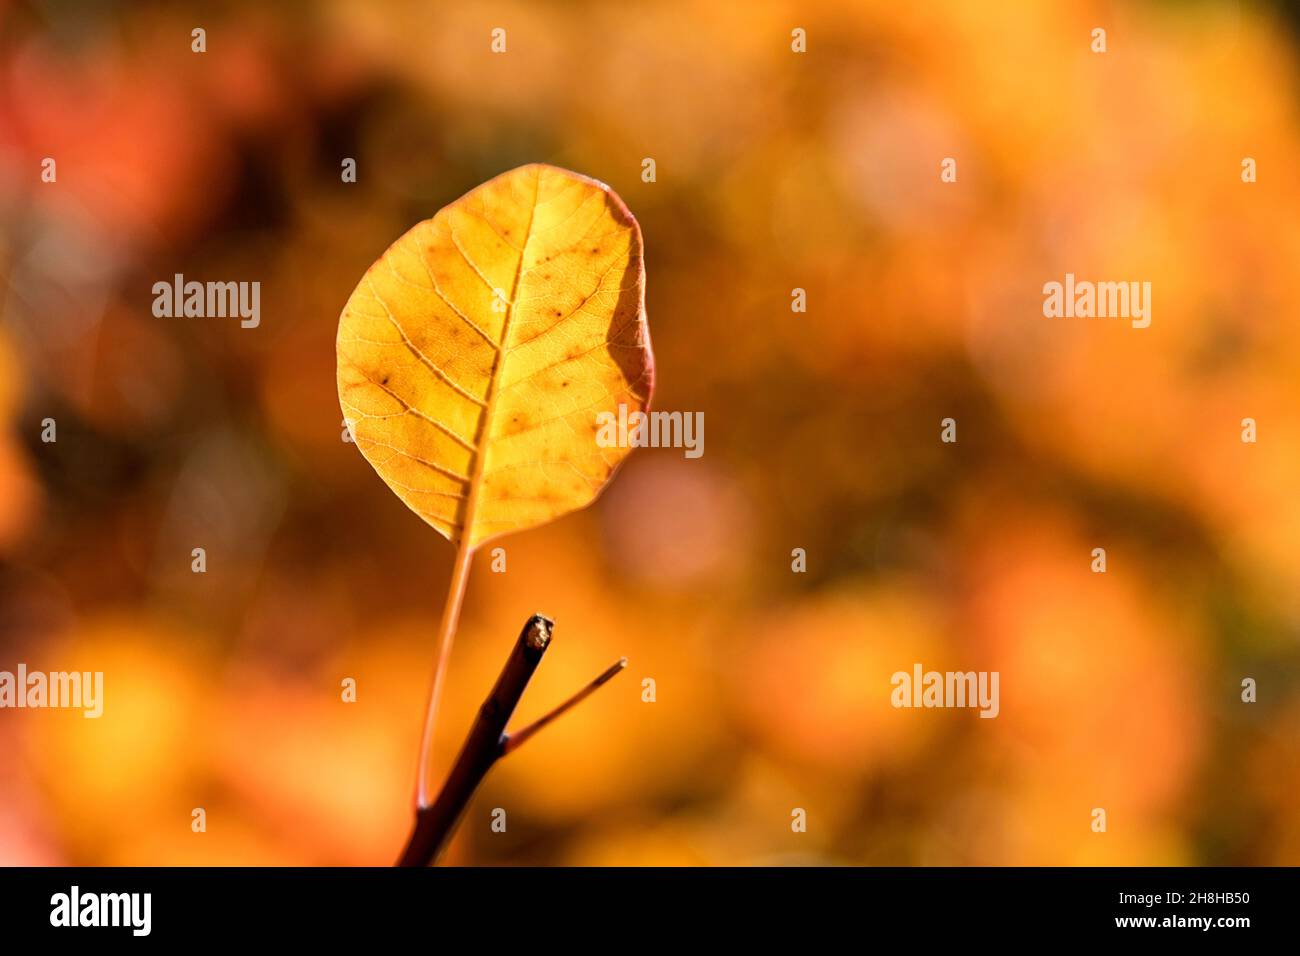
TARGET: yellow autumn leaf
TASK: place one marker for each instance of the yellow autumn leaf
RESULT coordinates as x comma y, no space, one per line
476,355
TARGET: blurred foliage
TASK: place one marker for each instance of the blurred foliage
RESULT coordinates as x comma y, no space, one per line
775,170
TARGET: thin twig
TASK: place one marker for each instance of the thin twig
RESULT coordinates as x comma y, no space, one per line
515,740
488,742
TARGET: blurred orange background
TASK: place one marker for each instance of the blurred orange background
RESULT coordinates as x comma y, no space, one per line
775,170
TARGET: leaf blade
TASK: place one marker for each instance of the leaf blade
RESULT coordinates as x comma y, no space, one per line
483,419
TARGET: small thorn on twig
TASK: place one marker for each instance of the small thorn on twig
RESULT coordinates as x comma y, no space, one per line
512,741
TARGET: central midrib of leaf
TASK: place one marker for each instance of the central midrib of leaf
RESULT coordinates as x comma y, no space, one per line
466,530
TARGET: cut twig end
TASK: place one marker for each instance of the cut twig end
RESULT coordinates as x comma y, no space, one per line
538,633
